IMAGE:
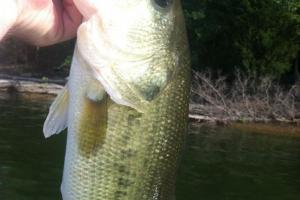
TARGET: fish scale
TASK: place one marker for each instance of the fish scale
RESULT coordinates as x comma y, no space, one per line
139,156
126,131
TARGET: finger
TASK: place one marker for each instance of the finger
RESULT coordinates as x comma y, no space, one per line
86,7
71,18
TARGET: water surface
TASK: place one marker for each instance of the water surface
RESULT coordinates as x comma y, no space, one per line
219,163
233,164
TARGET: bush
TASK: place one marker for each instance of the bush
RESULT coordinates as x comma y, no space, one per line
247,98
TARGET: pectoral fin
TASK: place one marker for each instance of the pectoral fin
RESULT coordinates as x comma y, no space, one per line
93,119
58,114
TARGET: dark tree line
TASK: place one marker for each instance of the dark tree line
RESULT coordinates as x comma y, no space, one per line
254,36
260,37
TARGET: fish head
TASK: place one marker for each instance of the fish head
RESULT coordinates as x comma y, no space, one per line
132,46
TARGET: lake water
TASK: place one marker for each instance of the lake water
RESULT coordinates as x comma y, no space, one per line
219,163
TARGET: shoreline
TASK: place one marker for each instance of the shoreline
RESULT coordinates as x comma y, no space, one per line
227,120
31,85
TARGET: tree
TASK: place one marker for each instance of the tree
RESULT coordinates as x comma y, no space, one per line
255,36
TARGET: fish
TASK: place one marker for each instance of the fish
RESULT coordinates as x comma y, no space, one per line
125,105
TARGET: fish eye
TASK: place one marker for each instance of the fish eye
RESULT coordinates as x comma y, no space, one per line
163,3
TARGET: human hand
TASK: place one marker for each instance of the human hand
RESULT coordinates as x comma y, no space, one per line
46,22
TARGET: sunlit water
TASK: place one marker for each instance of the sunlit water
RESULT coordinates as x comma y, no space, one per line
218,164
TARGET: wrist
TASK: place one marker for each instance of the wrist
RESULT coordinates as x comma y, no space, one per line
9,13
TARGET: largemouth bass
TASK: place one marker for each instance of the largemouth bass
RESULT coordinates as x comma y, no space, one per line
126,102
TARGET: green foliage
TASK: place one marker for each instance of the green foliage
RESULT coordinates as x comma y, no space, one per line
45,78
66,62
260,37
